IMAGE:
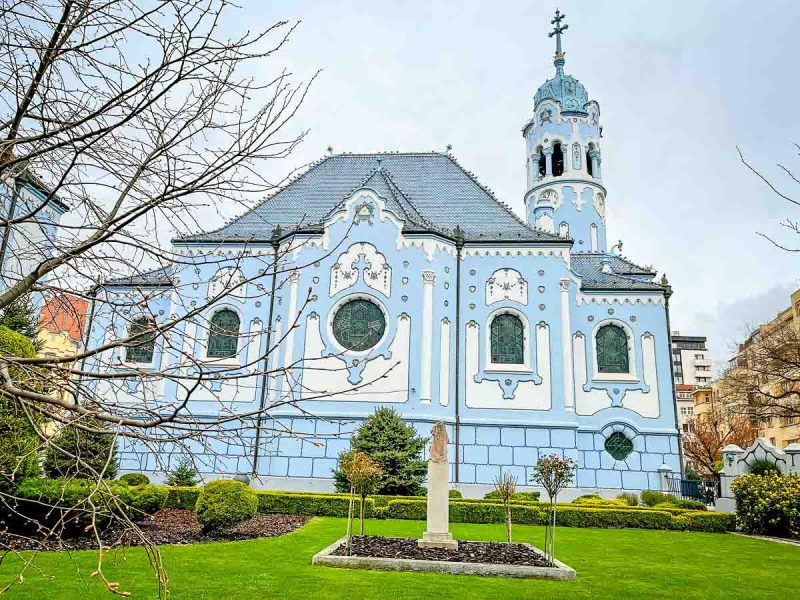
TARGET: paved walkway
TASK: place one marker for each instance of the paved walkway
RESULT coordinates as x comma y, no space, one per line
768,538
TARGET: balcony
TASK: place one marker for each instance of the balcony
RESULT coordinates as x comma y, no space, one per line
702,362
702,374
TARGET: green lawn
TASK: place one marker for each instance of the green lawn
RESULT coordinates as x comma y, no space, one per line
611,563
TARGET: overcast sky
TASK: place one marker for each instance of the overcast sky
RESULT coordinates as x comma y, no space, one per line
680,85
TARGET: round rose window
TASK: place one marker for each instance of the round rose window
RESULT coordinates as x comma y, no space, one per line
358,325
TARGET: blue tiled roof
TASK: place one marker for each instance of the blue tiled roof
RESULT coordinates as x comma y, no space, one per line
624,275
430,191
160,276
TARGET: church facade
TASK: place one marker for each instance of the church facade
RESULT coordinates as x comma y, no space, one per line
404,282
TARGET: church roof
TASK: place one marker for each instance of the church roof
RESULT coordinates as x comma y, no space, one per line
621,275
429,191
156,277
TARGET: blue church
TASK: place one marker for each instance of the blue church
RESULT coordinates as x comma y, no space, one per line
404,282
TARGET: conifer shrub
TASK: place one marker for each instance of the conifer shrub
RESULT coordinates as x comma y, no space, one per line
93,453
396,447
184,474
762,467
19,443
223,503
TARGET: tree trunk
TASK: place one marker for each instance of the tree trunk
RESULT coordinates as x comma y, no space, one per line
508,523
350,510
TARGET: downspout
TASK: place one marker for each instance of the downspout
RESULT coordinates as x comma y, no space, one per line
459,237
667,294
276,235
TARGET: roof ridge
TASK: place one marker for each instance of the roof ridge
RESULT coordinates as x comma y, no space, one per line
394,187
490,193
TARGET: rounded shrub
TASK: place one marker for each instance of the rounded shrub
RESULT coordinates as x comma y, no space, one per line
455,494
628,498
653,497
134,479
223,503
145,499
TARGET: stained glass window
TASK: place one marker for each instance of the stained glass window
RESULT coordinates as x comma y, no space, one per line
507,340
141,349
612,349
358,325
224,336
619,446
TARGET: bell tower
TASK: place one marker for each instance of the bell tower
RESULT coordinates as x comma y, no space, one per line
565,193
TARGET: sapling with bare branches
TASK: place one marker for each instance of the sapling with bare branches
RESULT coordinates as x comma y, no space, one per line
506,486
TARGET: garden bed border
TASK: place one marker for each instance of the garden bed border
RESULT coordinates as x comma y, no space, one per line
325,557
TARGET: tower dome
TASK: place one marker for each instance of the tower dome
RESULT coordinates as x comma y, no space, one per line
564,89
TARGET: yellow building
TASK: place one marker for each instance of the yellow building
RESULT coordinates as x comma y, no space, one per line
784,430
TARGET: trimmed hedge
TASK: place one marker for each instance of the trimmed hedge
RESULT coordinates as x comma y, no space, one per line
570,516
182,497
134,479
320,505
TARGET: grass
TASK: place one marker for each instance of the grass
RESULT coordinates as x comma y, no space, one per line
611,563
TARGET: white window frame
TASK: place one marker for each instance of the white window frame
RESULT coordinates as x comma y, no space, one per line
621,377
525,367
230,361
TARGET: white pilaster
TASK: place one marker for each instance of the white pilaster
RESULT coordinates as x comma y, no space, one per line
566,347
428,277
291,317
444,363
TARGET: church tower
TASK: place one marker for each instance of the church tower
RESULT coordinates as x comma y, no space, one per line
565,193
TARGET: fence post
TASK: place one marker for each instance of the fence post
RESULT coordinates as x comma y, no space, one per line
730,469
793,458
664,472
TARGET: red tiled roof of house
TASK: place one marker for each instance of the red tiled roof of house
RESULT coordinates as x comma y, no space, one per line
685,387
65,314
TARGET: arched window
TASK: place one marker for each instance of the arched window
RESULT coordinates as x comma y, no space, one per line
140,349
589,160
558,160
542,162
507,340
563,229
612,349
223,338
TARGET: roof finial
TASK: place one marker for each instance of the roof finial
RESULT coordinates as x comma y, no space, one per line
557,31
449,147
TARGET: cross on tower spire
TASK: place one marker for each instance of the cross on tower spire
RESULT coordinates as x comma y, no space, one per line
557,31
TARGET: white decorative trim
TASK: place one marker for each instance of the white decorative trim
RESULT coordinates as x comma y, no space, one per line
254,344
444,363
594,241
605,298
428,245
549,197
291,317
489,394
346,272
228,282
512,251
506,284
566,346
630,376
646,403
428,277
525,367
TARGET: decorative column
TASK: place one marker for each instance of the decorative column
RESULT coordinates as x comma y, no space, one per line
535,158
793,458
594,156
664,473
566,347
548,161
730,470
428,277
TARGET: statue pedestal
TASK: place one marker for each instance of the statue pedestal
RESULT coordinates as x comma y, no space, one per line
437,533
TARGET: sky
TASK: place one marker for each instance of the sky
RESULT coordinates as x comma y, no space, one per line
681,85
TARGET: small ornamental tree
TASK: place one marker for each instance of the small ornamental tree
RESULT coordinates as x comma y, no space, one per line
506,486
84,449
184,474
396,447
362,475
20,316
553,473
19,443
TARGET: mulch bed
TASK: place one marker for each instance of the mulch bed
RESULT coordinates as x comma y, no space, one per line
496,553
168,526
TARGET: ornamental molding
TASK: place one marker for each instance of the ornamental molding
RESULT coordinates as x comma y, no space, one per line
600,205
562,253
506,284
583,298
549,196
361,258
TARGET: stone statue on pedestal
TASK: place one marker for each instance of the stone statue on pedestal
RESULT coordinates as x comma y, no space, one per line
437,533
